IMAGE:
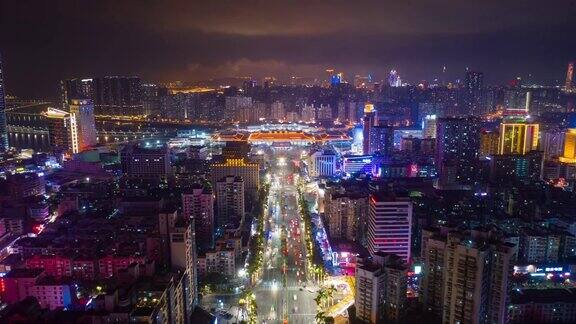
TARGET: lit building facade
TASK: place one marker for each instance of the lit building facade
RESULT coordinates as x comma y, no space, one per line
569,154
322,164
83,111
390,224
518,138
248,171
370,120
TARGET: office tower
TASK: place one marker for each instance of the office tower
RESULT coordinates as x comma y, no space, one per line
473,92
145,163
345,211
239,167
381,286
476,280
569,76
230,200
3,126
308,113
277,111
322,163
236,106
198,204
429,126
390,224
569,154
457,147
83,111
518,137
488,143
381,140
370,120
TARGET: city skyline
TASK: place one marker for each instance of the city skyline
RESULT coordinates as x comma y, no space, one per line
174,41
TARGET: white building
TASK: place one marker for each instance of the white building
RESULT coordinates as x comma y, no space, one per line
390,224
322,164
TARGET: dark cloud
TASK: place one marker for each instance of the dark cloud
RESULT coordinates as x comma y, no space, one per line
44,41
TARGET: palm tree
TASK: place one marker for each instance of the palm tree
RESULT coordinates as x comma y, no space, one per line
320,318
319,299
330,294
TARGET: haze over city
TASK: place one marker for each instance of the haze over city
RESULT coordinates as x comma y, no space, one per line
266,162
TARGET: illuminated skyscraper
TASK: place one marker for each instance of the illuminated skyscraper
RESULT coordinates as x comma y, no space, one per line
569,155
3,127
83,111
62,130
370,121
473,87
518,138
569,76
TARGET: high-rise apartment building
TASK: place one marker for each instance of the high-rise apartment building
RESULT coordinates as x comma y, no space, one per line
476,280
381,140
198,204
346,214
111,95
466,276
390,224
457,149
3,125
238,108
324,113
239,167
474,104
518,137
308,114
381,285
230,200
277,111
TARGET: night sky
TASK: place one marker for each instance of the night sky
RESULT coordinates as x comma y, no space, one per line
44,41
